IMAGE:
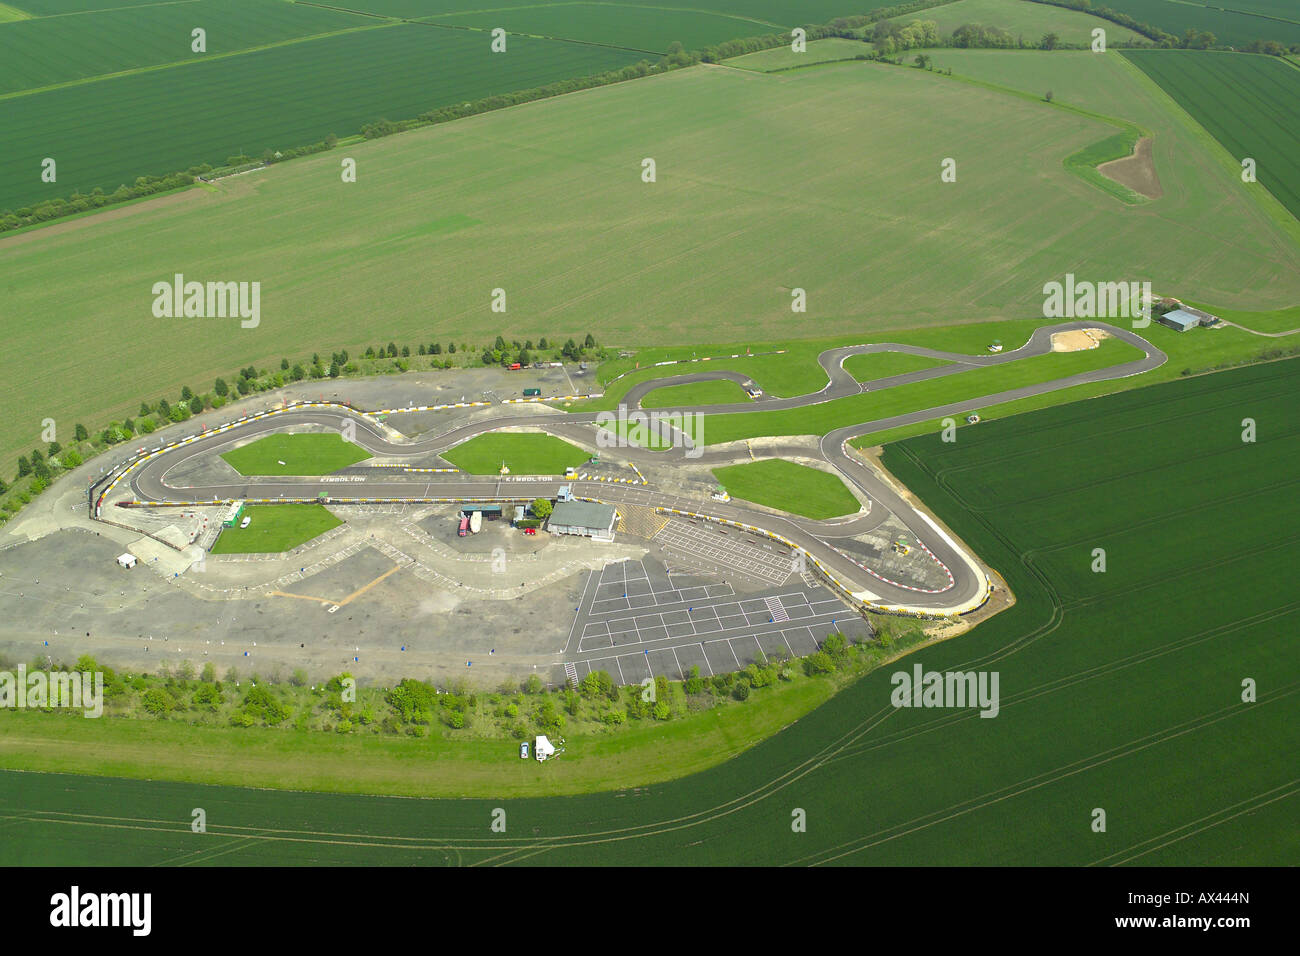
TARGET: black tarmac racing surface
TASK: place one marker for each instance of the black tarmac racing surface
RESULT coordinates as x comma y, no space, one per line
149,477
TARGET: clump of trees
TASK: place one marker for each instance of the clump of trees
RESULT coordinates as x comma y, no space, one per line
418,708
891,37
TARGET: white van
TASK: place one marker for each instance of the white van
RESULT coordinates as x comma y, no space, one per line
244,523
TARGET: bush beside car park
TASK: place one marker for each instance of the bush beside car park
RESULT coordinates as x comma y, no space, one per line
513,710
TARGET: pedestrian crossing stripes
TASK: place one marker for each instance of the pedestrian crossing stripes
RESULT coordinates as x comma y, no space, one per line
778,610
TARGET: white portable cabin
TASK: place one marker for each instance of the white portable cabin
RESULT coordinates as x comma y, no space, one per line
127,560
543,748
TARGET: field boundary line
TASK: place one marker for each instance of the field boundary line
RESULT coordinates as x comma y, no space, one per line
82,13
207,58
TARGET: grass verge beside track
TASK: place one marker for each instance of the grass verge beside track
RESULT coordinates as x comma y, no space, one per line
276,528
721,392
869,367
790,487
285,454
523,454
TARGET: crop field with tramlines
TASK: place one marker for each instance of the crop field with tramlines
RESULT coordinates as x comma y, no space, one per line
204,112
1231,21
46,51
119,90
1251,104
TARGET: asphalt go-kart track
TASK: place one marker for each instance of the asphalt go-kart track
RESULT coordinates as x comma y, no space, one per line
162,478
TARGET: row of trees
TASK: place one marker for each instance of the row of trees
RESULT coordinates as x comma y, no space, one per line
515,710
84,202
500,352
890,37
507,353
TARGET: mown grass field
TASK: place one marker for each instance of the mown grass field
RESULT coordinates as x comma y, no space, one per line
275,528
788,486
523,453
867,368
1249,102
569,169
696,393
306,454
1020,18
109,132
48,50
1117,690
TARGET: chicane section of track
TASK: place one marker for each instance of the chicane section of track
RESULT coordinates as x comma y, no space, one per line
147,472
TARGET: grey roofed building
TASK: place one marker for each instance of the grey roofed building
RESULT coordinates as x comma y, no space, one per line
1205,318
587,518
1179,320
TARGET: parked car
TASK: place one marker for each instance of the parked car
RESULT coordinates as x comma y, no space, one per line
515,367
523,750
245,522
